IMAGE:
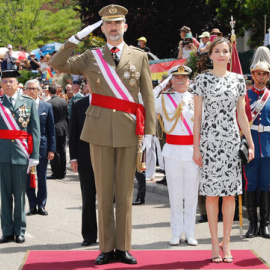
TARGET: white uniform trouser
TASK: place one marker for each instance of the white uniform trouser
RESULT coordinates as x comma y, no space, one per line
159,154
151,161
182,180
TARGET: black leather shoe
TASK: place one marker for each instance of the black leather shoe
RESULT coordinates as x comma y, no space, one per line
42,211
138,201
86,242
105,257
264,232
252,230
6,238
32,211
20,239
124,257
52,177
203,218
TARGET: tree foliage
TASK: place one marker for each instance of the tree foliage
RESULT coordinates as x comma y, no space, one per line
33,23
159,21
248,14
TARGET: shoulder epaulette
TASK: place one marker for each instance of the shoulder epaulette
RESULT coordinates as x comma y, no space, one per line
169,91
24,96
136,48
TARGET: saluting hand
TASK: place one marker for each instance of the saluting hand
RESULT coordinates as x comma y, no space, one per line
87,30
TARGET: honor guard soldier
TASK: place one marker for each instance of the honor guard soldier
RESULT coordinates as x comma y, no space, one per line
177,112
257,171
19,148
117,74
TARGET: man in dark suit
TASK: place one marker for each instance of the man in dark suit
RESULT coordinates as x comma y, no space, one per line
60,112
80,162
46,150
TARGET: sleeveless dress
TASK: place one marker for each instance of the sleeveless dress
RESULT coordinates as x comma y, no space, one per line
221,173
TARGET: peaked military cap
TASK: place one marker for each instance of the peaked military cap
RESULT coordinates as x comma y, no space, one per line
12,73
248,78
113,13
180,70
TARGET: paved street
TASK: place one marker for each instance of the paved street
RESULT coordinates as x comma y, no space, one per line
60,230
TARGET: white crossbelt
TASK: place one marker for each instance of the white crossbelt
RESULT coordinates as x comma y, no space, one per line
260,128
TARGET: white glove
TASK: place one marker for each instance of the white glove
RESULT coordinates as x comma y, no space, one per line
32,163
147,140
87,30
165,82
161,86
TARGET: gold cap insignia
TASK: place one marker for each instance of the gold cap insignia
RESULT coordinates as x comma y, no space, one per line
181,69
113,10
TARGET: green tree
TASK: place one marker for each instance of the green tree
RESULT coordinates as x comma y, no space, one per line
158,20
33,23
248,14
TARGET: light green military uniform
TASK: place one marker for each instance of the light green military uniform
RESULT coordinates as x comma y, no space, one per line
13,165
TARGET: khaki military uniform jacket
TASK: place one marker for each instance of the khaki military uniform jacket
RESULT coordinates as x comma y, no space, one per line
105,126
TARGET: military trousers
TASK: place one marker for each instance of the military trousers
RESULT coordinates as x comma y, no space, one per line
183,183
114,170
13,180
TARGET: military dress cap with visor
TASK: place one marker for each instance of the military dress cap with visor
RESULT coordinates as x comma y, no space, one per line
180,70
10,74
113,13
248,78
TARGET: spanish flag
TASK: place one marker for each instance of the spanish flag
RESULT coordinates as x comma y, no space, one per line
160,67
49,74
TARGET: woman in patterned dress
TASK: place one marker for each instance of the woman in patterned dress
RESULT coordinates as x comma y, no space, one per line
219,94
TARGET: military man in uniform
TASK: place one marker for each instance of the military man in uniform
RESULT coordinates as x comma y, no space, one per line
117,74
177,112
257,171
19,148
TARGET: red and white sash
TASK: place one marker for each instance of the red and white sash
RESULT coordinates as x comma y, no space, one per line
112,78
182,117
12,125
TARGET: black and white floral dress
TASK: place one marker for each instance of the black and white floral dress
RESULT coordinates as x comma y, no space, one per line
219,143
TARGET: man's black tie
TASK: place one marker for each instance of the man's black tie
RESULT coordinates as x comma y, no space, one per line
10,100
116,59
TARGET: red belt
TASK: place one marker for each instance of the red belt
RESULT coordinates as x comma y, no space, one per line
179,139
123,106
17,134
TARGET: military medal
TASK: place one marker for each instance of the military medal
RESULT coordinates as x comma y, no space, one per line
132,68
132,82
126,75
20,119
137,75
24,124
